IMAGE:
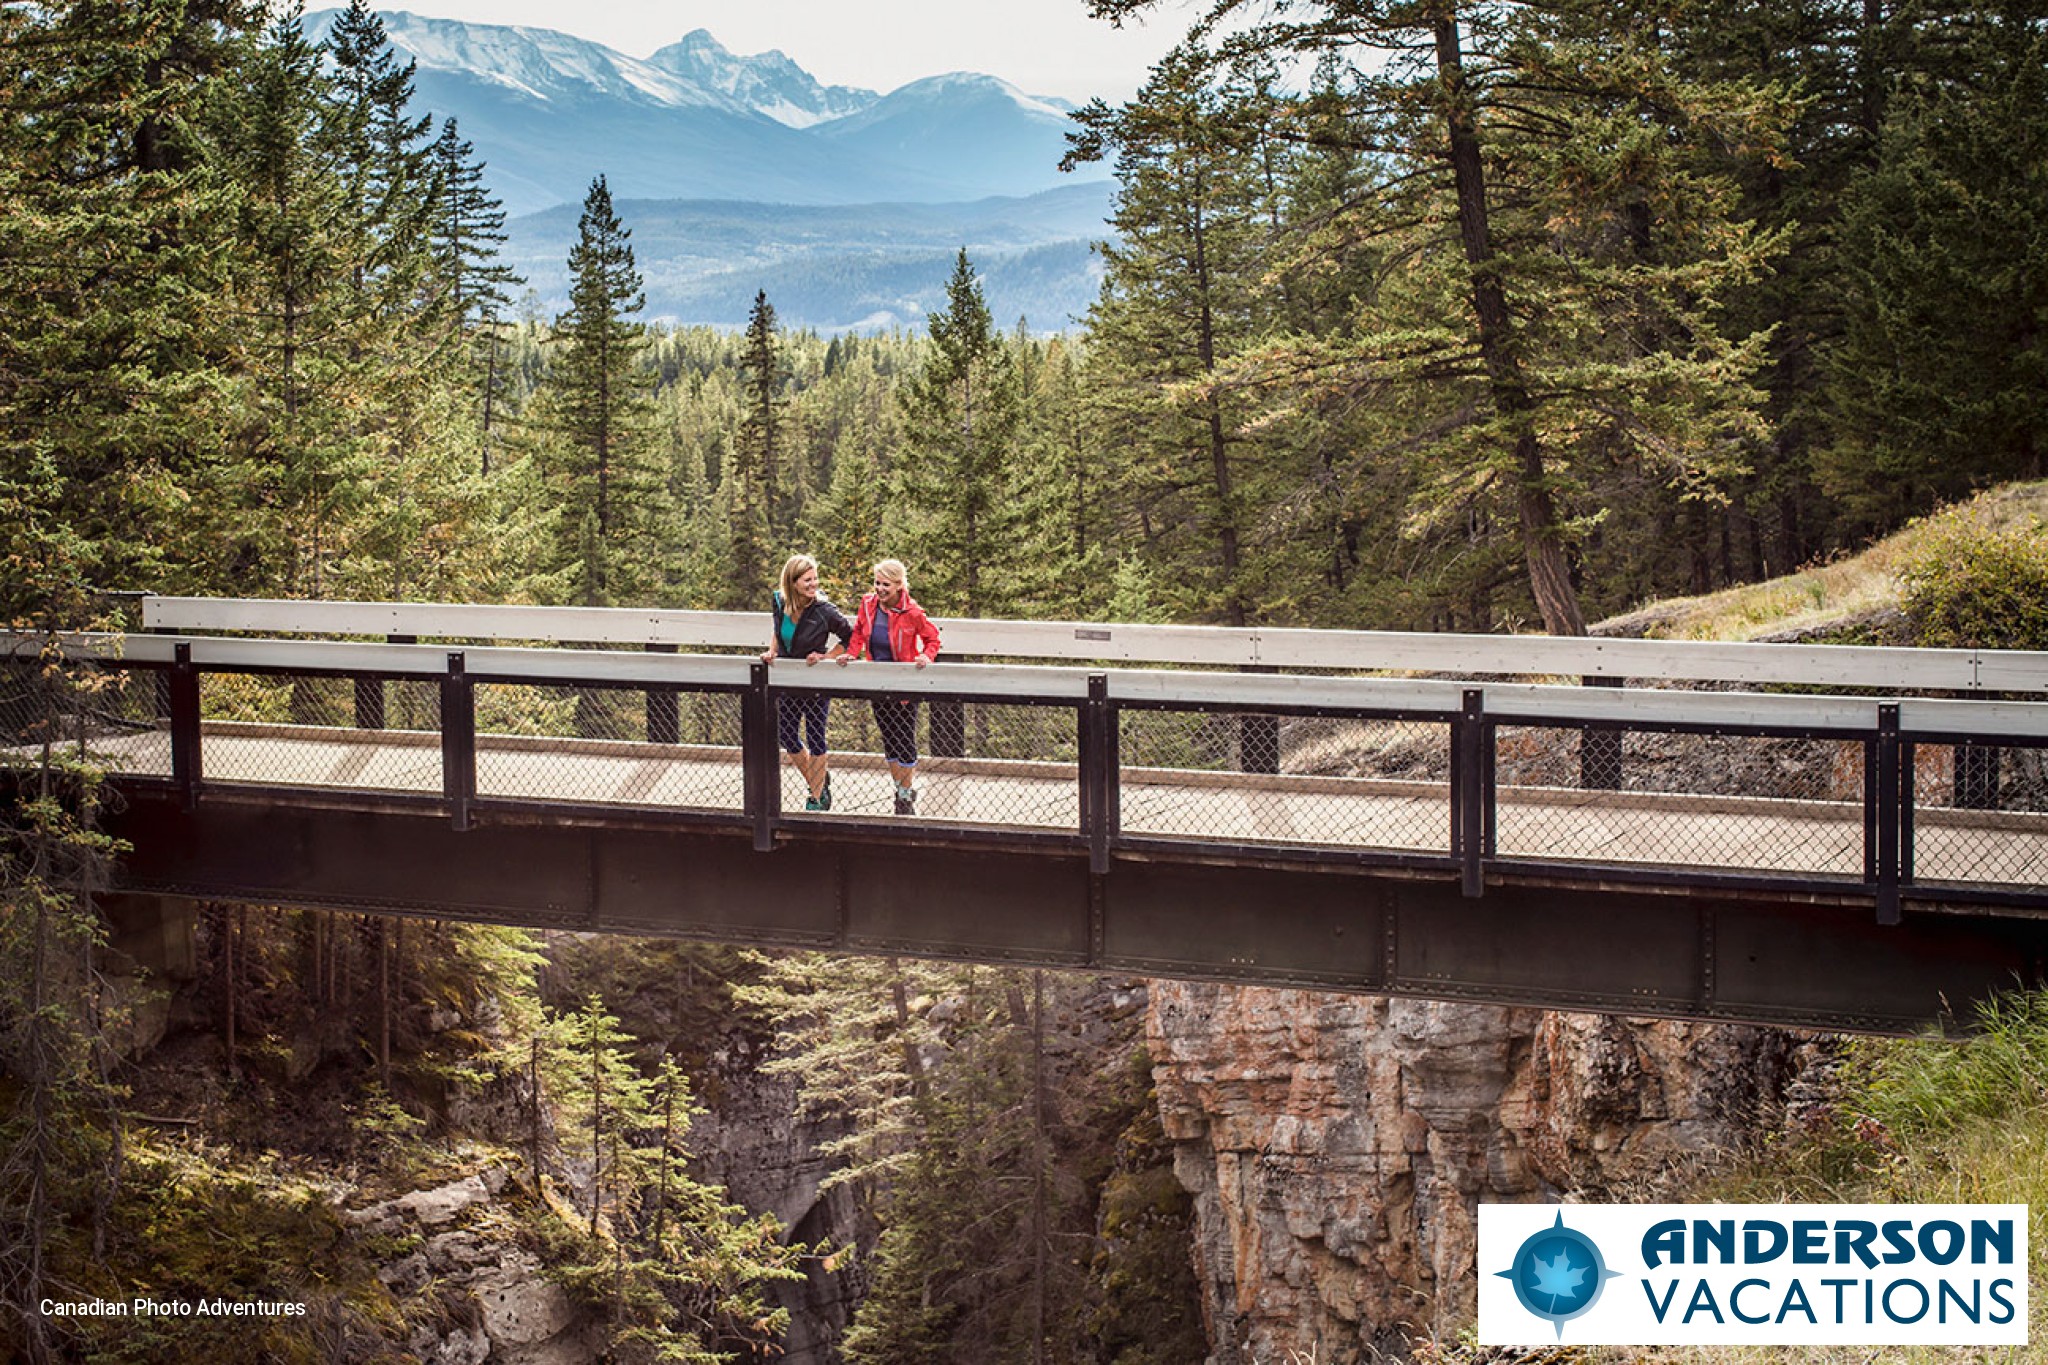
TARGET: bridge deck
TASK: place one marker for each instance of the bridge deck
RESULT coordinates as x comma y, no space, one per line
1825,838
1810,859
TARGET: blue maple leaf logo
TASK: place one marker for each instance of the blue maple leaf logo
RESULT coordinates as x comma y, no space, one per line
1557,1277
1558,1273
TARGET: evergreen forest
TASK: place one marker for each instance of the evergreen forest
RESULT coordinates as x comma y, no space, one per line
1436,316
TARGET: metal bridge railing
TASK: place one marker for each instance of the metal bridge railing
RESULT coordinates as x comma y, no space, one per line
1847,795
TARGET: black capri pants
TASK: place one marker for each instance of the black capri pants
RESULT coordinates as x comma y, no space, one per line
896,718
808,710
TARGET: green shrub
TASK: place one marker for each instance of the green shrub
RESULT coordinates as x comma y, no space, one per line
1970,587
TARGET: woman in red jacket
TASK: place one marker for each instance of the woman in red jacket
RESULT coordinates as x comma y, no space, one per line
892,628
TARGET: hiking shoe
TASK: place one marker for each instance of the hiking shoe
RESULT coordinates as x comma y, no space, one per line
906,800
825,795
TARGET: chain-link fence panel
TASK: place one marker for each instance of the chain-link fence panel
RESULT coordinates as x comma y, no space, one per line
1261,778
609,746
109,717
983,763
304,730
1980,814
1733,802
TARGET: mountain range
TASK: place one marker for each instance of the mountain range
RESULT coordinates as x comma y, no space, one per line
840,267
746,173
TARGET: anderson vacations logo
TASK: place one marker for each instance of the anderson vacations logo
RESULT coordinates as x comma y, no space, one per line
1753,1274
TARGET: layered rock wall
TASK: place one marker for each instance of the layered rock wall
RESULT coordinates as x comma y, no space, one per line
1338,1147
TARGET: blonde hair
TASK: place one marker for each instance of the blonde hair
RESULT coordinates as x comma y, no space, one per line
893,570
795,567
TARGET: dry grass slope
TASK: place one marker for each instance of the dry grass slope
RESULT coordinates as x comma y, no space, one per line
1828,597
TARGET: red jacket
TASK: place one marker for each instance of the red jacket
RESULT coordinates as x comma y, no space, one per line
911,632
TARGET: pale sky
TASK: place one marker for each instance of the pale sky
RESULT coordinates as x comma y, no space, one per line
1046,47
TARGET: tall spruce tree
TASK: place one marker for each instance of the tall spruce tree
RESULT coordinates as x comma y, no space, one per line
385,165
676,1268
467,230
762,496
1180,297
961,415
305,470
616,538
112,229
1938,384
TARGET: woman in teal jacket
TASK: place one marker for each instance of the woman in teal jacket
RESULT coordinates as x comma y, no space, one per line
805,623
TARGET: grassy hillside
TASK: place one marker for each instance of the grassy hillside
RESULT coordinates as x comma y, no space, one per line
1830,598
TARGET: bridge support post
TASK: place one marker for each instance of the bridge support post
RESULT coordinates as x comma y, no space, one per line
184,707
1600,748
948,735
1976,784
369,703
760,764
1098,742
664,720
1258,736
1471,790
1887,811
458,741
370,711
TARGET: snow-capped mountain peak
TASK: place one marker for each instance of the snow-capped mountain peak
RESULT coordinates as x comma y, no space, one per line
547,111
539,63
767,82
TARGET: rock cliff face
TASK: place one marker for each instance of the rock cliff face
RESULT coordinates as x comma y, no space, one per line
1337,1147
753,1142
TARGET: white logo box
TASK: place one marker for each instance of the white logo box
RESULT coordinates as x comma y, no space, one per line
1761,1274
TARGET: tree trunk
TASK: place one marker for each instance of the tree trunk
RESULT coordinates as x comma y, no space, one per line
596,1125
1542,544
1038,1210
533,1083
1219,449
231,930
899,998
384,1005
490,393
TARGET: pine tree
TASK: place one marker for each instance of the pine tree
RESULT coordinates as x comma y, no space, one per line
306,470
115,386
845,524
763,445
617,539
467,230
110,377
676,1267
1179,298
757,496
962,412
1938,384
386,167
986,1221
1064,502
1558,247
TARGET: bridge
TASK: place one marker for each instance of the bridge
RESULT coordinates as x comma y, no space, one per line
1824,836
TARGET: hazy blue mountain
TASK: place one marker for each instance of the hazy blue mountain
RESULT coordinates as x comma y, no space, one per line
840,267
995,136
547,112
